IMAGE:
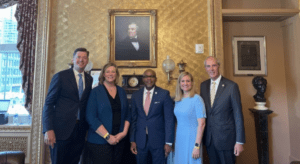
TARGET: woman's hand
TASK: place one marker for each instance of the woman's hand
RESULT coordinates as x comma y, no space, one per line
112,140
196,153
120,136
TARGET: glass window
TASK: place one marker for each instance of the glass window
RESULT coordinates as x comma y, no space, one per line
12,98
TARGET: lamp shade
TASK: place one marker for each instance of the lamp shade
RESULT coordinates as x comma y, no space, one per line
88,67
168,65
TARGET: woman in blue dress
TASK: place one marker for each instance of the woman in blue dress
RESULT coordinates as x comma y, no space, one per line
190,113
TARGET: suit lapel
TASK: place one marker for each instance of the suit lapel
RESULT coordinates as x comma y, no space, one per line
207,98
141,100
86,85
154,97
72,80
220,89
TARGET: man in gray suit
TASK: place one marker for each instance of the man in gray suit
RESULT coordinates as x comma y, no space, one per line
224,133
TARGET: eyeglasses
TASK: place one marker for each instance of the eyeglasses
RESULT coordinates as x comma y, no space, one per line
152,77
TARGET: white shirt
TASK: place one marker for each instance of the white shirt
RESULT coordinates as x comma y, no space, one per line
77,78
136,45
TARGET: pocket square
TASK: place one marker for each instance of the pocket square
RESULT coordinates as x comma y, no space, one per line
157,102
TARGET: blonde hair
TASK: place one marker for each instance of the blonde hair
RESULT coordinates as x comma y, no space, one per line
179,92
102,78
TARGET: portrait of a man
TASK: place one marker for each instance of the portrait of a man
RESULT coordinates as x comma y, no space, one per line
132,38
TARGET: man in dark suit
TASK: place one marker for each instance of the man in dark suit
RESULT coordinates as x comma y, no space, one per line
152,127
224,133
64,122
133,47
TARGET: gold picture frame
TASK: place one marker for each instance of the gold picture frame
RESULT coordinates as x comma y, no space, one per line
132,38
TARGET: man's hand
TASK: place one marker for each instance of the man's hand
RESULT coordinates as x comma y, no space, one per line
196,153
168,149
112,140
49,138
133,148
238,148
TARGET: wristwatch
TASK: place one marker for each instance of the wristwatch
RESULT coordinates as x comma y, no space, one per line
107,137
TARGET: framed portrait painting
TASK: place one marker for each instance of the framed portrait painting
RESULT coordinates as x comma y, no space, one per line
132,38
249,55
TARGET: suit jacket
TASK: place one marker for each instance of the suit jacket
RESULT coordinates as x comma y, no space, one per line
224,122
99,113
126,51
62,103
159,121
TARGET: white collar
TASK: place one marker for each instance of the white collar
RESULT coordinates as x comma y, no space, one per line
76,72
151,91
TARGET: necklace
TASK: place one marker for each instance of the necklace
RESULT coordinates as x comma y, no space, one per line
111,88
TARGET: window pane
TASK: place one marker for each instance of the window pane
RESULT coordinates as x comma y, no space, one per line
12,98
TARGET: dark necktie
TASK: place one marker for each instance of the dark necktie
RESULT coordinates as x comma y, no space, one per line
133,40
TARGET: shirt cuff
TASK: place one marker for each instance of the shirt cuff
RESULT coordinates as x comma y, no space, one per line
240,143
168,143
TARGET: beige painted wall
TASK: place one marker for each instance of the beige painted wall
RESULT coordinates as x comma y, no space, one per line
276,94
292,68
180,25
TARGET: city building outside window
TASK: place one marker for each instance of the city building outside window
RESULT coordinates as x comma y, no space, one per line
12,98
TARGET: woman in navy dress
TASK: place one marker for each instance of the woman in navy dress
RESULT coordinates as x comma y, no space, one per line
109,119
190,114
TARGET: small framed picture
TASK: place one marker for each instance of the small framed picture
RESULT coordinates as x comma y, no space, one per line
249,55
95,73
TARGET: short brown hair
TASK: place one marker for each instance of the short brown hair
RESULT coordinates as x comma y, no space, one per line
81,50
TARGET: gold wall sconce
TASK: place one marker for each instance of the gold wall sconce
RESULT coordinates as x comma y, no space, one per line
169,66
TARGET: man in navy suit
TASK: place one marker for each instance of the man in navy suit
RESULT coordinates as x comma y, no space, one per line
64,122
152,127
224,133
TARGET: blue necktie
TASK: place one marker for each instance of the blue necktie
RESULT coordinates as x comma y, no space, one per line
80,90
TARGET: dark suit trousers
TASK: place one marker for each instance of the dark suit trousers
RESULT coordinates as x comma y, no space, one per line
69,151
219,156
158,155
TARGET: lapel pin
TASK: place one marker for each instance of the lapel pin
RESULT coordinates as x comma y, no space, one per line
223,85
155,92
